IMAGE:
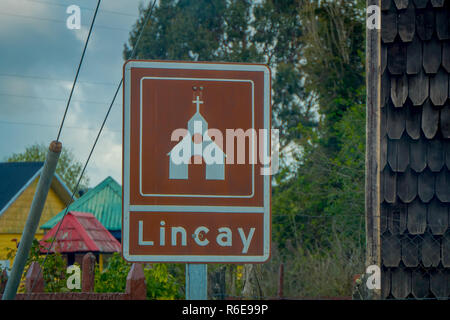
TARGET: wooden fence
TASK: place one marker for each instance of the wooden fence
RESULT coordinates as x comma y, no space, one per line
136,288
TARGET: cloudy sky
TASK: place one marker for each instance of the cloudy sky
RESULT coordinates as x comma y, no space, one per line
38,61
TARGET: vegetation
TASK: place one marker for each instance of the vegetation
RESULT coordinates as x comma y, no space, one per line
316,52
161,284
53,268
68,168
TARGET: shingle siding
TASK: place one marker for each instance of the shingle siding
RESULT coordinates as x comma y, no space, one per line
415,149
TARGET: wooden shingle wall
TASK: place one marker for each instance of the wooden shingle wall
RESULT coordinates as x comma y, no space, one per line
415,149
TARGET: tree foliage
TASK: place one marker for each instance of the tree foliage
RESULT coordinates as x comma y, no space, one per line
68,168
53,268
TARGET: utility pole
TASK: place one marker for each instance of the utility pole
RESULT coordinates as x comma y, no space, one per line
33,220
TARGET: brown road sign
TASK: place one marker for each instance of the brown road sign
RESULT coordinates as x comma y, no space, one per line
194,141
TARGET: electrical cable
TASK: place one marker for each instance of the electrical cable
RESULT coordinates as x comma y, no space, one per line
149,12
78,69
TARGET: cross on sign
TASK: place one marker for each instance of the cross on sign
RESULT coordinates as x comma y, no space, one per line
197,102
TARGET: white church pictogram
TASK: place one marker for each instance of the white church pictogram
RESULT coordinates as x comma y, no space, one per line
211,153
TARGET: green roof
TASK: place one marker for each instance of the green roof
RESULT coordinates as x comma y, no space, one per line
104,201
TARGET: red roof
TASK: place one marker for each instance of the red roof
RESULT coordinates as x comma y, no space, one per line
80,232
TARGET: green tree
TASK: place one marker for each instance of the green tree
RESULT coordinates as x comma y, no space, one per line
237,31
68,168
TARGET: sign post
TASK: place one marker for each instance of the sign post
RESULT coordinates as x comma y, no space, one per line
196,165
196,281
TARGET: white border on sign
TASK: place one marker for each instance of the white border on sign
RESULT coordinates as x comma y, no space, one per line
195,195
126,171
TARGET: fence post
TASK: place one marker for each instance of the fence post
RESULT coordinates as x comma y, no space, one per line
34,275
88,272
136,287
281,282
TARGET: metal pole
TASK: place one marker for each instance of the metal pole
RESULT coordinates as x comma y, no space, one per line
33,220
196,281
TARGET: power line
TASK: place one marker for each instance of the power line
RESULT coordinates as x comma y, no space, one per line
10,14
51,125
47,98
78,69
149,12
84,8
54,79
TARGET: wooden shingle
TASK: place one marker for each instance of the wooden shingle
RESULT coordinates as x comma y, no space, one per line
401,4
417,217
418,87
407,22
426,185
420,285
445,252
430,119
420,4
396,121
418,155
390,250
397,59
430,251
401,283
437,217
389,19
385,282
432,55
414,56
447,153
407,186
390,185
385,5
443,185
446,56
413,116
425,22
445,122
435,155
439,283
403,154
397,215
442,24
437,3
410,251
439,87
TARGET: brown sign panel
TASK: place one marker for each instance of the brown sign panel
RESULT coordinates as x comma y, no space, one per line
193,182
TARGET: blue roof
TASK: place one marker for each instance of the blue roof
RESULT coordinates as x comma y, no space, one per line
14,178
